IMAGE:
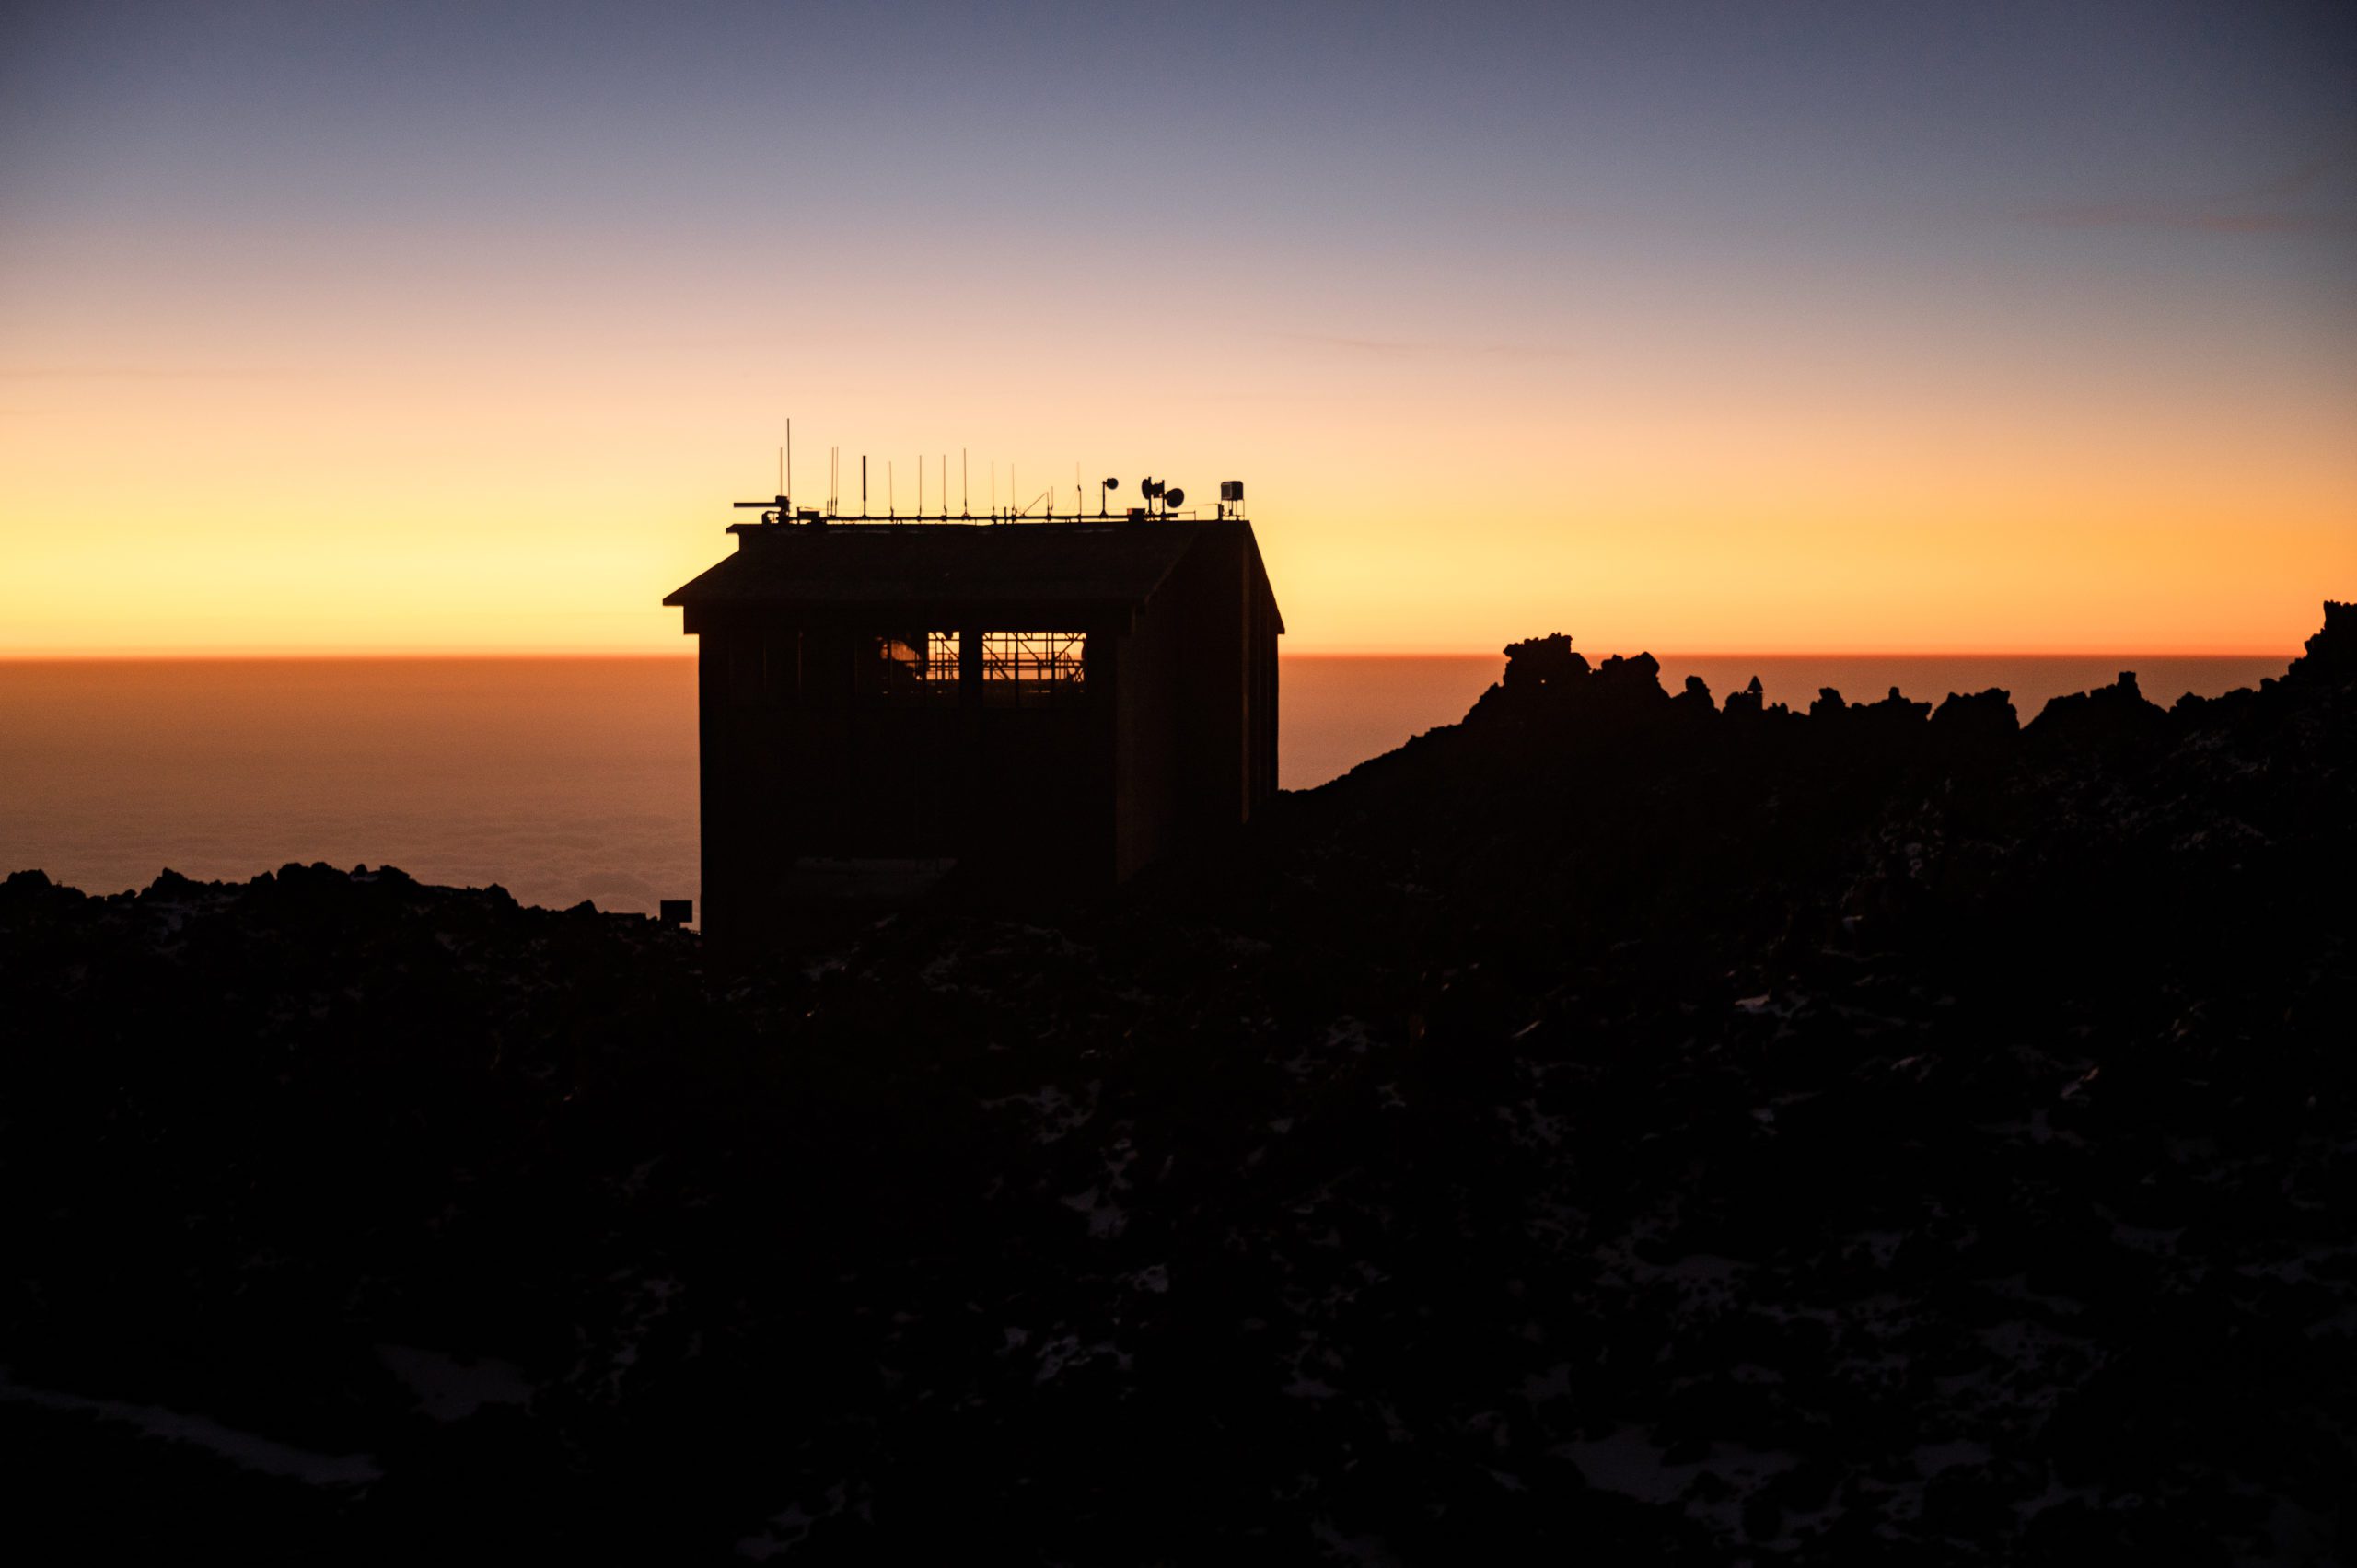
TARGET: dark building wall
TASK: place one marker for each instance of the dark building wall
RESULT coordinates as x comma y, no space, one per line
1198,725
1172,739
802,755
1149,666
1211,698
1261,699
743,675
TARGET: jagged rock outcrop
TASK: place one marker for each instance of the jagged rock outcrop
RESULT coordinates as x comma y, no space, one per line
2331,656
2108,715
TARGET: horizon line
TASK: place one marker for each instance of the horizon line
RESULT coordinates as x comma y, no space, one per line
478,656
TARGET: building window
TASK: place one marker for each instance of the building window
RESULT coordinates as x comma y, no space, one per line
917,664
1024,668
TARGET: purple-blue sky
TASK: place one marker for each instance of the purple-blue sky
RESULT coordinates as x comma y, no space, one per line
1761,326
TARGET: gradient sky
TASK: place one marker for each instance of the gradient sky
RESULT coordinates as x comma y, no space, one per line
342,326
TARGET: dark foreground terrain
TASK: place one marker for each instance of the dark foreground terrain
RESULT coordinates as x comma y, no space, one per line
1618,1124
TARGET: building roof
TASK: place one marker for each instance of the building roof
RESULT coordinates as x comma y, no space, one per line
1076,567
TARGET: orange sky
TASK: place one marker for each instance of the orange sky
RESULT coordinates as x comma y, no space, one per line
1794,403
546,497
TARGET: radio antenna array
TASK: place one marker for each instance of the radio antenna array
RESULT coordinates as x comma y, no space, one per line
1159,498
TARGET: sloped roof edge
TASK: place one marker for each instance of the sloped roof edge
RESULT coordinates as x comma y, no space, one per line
851,565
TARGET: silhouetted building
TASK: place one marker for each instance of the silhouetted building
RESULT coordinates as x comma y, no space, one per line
1049,704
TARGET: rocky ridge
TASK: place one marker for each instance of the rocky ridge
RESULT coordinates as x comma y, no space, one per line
1621,1120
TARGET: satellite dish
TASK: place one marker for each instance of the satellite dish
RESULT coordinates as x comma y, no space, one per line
1150,488
1174,498
1112,484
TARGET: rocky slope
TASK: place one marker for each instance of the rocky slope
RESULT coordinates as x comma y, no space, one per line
1619,1121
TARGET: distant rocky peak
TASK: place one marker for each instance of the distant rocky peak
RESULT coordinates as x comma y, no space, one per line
2332,652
